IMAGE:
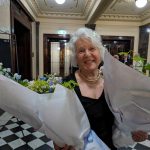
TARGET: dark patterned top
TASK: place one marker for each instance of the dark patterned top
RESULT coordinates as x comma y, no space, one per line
99,115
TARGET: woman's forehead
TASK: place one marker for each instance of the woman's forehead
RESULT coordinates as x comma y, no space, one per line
83,41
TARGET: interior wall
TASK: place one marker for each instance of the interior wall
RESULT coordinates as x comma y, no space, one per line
5,18
120,29
113,28
53,25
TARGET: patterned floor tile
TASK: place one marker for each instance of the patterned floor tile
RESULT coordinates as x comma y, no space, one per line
36,143
16,143
17,135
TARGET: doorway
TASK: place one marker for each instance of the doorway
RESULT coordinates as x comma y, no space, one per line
56,54
23,51
120,44
21,41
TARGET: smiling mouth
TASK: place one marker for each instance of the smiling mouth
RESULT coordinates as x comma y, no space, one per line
88,61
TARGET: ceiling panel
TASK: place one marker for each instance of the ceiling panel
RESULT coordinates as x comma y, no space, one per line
71,6
82,9
126,7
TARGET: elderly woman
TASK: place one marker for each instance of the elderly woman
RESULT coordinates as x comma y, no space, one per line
87,52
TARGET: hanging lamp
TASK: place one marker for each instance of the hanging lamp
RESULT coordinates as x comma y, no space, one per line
140,3
60,1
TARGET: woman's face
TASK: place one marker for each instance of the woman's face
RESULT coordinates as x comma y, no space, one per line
87,55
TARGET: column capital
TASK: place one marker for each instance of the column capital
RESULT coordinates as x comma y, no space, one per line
91,26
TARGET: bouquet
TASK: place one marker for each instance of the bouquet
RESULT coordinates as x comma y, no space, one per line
127,93
59,115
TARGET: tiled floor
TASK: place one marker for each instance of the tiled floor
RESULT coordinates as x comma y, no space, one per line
17,135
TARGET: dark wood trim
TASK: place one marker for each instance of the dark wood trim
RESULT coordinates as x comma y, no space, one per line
46,54
37,49
143,41
17,13
116,44
105,37
19,4
120,38
46,48
90,26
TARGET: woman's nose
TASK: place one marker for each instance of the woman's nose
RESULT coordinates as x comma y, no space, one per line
87,52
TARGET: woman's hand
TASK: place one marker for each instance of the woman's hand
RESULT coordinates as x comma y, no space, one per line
66,147
139,136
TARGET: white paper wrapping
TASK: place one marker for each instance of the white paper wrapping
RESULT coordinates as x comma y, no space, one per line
19,101
128,95
59,115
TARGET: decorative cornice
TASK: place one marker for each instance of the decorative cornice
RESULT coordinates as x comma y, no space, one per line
83,15
61,15
34,7
145,15
88,8
118,17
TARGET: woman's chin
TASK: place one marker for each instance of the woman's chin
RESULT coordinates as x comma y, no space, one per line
91,69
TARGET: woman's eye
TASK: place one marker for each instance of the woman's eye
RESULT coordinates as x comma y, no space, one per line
92,49
81,50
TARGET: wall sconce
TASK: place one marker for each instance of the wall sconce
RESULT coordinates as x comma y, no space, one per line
60,1
140,3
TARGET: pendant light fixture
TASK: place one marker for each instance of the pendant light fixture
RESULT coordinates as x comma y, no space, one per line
60,1
140,3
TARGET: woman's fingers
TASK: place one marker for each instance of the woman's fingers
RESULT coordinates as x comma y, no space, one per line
66,147
139,136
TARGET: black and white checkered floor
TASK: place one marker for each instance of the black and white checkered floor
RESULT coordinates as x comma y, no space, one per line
17,135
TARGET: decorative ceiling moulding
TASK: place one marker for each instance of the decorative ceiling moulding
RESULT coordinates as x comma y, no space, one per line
61,15
120,18
88,8
58,16
145,15
33,7
119,9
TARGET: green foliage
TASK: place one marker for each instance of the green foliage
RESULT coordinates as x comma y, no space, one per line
24,82
70,84
147,66
138,58
45,84
125,53
39,86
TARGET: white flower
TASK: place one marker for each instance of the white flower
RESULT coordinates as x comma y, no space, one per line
17,76
1,65
8,70
7,75
4,70
25,80
31,82
52,86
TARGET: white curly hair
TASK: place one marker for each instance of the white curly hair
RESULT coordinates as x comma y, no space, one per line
85,33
